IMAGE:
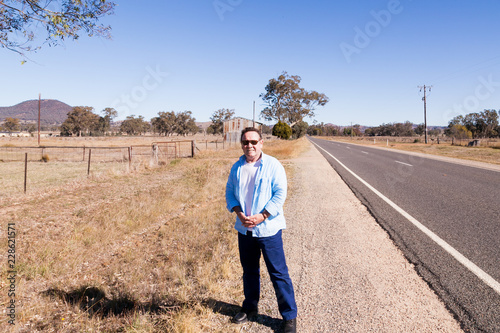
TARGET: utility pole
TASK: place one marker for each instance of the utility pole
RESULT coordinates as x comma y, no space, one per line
424,87
39,101
253,124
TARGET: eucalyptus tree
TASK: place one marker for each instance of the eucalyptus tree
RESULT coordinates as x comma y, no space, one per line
105,122
11,124
26,24
81,119
165,123
133,125
168,123
186,124
218,118
288,102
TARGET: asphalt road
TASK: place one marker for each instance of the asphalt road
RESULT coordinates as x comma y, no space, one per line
445,217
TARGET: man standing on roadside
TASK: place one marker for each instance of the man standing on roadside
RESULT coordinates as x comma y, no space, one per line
256,191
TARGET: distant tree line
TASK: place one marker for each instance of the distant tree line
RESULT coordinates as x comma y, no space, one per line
475,125
82,121
394,129
391,129
483,124
10,125
323,129
168,123
133,125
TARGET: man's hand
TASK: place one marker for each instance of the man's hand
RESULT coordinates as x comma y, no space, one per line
251,221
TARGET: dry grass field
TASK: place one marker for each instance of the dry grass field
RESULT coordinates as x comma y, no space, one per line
488,151
146,250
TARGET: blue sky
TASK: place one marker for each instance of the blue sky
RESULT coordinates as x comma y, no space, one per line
368,57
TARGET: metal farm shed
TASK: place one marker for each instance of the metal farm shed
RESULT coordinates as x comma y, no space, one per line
233,128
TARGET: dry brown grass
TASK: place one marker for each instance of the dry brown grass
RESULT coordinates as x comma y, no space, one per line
149,251
488,152
286,149
43,177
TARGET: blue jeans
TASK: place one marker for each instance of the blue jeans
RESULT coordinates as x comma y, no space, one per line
274,257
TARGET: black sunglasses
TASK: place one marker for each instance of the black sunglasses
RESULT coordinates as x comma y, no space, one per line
246,142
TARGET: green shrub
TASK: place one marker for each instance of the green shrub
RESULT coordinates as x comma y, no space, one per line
282,130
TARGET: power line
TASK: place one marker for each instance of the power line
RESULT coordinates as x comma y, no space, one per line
468,69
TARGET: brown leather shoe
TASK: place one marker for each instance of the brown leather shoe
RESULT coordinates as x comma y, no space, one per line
291,326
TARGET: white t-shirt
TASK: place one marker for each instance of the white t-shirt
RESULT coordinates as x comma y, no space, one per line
247,183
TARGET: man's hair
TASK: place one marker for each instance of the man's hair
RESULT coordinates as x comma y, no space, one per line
250,129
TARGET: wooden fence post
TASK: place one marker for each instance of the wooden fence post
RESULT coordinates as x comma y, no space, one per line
129,158
90,154
155,152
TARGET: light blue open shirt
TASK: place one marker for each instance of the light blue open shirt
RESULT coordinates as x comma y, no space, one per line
269,194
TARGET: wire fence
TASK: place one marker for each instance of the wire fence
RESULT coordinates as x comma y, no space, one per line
25,168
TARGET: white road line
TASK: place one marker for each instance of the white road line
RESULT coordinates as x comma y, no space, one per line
485,277
403,163
364,152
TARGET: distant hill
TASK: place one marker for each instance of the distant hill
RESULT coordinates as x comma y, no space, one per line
203,124
53,112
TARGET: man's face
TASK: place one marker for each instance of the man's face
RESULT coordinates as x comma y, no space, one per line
252,151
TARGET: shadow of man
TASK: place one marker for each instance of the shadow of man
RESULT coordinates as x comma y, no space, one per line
230,310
